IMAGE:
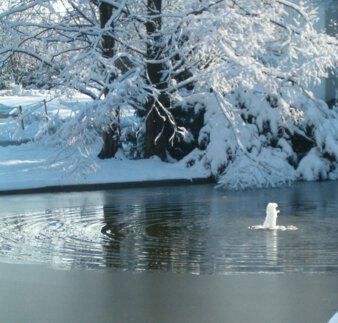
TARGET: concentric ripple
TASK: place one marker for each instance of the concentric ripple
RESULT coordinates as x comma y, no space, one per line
172,229
61,237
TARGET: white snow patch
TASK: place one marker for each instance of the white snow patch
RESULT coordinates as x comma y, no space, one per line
334,318
313,167
29,166
267,170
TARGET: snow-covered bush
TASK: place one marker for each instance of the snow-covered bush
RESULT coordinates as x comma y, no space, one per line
256,139
269,169
313,167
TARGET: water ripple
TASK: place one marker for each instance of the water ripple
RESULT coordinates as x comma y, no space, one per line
62,234
173,232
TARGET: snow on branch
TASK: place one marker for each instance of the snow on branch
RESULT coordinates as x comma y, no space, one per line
249,63
20,8
295,7
31,54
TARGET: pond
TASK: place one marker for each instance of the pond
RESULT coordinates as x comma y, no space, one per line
179,229
169,254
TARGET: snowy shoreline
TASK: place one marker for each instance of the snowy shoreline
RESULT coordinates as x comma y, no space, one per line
32,163
28,166
26,169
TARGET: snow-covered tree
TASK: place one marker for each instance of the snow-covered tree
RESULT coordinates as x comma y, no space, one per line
222,83
264,57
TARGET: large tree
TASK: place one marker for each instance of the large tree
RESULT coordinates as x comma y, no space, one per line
111,133
226,81
158,117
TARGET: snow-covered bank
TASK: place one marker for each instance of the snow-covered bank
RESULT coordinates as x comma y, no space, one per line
27,166
61,147
35,165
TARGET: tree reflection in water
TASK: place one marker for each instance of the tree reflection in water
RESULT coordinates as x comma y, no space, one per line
175,229
154,233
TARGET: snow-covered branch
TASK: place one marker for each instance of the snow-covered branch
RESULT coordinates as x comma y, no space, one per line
31,54
223,83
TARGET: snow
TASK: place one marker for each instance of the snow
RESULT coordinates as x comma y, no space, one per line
250,69
312,167
35,165
61,148
27,166
269,170
334,319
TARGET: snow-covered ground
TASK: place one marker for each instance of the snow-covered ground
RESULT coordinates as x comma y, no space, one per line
33,165
60,148
27,166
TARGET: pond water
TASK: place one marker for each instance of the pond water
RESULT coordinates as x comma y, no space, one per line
181,229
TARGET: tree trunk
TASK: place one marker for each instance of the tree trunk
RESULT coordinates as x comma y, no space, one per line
111,133
159,125
108,42
111,138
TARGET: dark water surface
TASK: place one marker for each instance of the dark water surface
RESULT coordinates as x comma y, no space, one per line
174,254
184,229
